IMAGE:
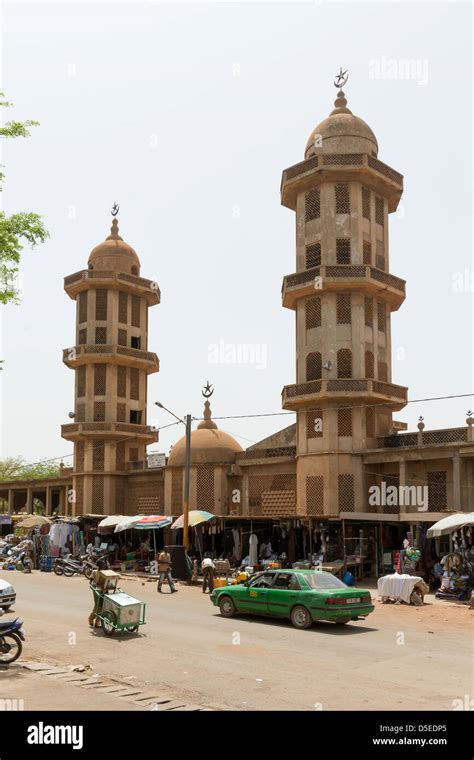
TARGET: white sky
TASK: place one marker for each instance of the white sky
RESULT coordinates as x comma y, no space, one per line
186,114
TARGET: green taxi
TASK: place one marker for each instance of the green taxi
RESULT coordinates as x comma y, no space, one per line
303,596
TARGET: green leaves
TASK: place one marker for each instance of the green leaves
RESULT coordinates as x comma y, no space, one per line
18,229
15,468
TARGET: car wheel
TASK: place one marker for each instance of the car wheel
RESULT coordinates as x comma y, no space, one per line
300,617
226,607
108,621
343,621
6,607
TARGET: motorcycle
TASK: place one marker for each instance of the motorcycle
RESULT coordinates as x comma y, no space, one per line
26,562
11,636
68,566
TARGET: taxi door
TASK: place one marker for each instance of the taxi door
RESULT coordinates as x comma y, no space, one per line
284,593
255,598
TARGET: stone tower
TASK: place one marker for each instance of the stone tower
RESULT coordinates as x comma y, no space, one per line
343,296
111,363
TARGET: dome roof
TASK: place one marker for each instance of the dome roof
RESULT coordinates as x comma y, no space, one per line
341,132
208,444
114,254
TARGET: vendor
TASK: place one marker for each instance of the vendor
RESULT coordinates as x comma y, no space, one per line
266,550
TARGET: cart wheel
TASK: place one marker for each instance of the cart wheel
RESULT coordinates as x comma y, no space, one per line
109,622
132,628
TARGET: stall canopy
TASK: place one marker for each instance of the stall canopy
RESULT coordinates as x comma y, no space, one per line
33,521
111,521
152,522
449,524
195,517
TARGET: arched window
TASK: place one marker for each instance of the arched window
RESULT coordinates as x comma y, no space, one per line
344,363
369,364
134,270
313,366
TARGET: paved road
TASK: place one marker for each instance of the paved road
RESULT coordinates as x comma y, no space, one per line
399,658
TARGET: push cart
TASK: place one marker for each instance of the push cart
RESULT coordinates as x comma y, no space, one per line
116,610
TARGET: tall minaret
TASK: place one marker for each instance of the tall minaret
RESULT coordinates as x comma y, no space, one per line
112,363
343,297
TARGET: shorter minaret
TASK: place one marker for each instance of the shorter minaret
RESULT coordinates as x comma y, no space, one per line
111,363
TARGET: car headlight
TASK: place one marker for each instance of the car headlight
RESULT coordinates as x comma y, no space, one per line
7,591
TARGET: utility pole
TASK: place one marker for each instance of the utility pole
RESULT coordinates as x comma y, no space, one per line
186,481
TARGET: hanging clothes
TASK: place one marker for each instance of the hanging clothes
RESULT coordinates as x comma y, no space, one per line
253,550
236,546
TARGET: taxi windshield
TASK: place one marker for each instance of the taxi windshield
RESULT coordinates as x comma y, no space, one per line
321,580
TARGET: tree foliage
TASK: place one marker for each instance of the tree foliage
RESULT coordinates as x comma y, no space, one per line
18,229
16,468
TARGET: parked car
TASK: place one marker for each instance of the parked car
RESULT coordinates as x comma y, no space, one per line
7,595
303,596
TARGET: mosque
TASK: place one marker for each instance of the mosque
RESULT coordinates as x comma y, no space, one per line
335,466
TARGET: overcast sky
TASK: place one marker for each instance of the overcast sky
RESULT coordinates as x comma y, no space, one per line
186,114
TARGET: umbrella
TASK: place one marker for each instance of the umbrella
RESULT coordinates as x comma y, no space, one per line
33,521
124,523
111,521
449,524
150,522
195,517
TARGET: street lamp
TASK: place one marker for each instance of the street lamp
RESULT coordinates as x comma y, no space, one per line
187,423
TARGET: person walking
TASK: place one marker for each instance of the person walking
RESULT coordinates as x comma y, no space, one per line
208,568
164,570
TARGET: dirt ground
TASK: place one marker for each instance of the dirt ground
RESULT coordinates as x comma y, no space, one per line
400,657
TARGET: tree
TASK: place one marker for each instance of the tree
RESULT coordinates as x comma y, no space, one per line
15,468
17,229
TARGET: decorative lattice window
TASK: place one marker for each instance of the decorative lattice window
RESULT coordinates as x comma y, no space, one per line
120,455
370,422
381,316
382,371
272,496
313,255
134,384
101,303
315,495
101,335
122,337
312,201
99,411
97,494
79,457
365,203
123,308
367,252
313,313
379,210
177,490
345,492
205,487
82,298
121,381
135,311
80,413
380,255
81,381
313,366
82,338
437,491
98,455
369,311
133,455
79,495
343,251
314,423
343,199
343,309
344,362
344,422
100,379
121,412
369,364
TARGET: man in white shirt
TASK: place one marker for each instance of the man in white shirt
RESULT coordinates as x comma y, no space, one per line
208,568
